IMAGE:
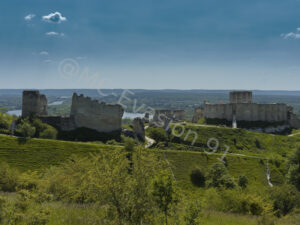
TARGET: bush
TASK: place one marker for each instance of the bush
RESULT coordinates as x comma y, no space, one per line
235,201
285,198
293,176
218,177
243,181
8,178
49,133
158,134
198,178
129,145
25,129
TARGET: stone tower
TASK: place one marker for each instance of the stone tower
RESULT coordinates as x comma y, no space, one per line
240,97
34,104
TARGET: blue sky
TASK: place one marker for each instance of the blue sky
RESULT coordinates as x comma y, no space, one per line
153,44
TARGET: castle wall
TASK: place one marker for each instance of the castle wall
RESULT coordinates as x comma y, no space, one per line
63,123
198,114
168,115
247,112
94,115
240,97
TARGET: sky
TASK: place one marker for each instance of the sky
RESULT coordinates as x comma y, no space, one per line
150,44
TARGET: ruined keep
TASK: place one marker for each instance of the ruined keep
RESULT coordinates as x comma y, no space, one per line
240,97
34,104
242,109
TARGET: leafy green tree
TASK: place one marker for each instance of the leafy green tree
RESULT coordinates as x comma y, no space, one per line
25,129
286,198
198,178
158,134
104,179
293,176
192,213
218,176
243,181
165,194
48,133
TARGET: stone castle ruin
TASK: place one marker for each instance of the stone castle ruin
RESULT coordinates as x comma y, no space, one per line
162,118
242,109
34,104
85,113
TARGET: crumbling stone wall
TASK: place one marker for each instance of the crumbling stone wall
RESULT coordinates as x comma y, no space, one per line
34,104
247,112
198,114
166,114
138,129
240,97
94,115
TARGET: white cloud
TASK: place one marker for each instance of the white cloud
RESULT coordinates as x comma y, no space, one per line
29,17
291,35
53,33
54,18
44,53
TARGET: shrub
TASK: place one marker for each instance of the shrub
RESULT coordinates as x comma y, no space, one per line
129,145
192,213
218,177
235,201
243,181
293,176
49,133
198,178
285,198
25,129
8,178
158,134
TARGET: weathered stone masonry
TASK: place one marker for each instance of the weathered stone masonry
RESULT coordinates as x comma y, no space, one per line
85,112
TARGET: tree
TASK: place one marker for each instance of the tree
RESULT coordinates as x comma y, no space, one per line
293,176
165,194
218,176
286,198
49,133
25,129
192,213
158,134
243,181
198,178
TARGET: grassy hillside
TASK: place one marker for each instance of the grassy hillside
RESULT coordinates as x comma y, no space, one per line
35,153
239,140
